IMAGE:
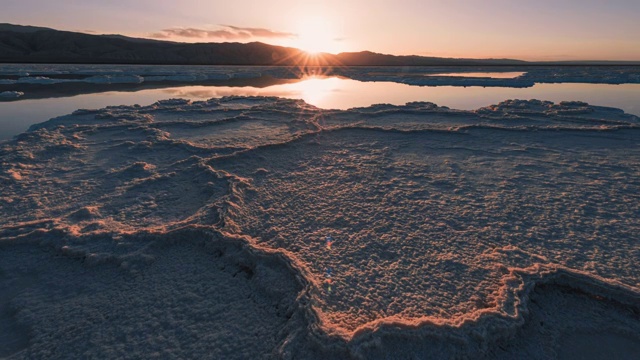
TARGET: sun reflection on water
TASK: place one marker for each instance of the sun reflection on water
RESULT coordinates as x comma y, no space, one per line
314,89
338,93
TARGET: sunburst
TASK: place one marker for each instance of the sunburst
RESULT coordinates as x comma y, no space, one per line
317,34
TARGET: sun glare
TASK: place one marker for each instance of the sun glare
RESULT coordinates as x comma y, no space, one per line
316,35
314,90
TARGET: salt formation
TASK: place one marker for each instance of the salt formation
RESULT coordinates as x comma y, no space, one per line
10,94
210,228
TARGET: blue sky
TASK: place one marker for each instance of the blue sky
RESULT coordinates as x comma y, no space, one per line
539,30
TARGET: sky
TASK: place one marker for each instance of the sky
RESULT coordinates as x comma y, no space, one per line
522,29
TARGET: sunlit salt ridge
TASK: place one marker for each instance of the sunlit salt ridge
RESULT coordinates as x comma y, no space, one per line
454,231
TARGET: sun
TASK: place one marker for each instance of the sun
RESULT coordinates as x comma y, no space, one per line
317,34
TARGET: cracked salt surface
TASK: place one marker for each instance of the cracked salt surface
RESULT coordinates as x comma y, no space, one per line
181,228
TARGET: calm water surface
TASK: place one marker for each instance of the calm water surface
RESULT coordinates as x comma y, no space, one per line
335,93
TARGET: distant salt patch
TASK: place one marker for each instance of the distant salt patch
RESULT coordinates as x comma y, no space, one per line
246,75
115,79
123,78
96,79
488,75
11,94
187,77
41,80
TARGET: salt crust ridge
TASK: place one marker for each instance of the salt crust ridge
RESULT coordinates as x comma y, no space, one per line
50,157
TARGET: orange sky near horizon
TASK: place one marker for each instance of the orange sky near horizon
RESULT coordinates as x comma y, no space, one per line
529,30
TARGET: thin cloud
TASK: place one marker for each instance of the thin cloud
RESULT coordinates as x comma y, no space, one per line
159,35
260,32
227,32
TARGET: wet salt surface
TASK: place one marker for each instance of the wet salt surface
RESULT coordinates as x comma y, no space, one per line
493,233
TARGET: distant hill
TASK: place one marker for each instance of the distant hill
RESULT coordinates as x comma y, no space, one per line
376,59
22,28
29,44
41,45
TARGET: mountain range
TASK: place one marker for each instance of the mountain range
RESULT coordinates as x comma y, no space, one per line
30,44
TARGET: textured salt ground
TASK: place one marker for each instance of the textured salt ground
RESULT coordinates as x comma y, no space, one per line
599,346
157,300
403,225
444,221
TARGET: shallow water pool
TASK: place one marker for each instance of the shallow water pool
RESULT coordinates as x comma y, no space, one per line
328,93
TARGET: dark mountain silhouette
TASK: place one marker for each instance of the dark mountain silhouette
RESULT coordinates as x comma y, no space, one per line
22,28
376,59
30,44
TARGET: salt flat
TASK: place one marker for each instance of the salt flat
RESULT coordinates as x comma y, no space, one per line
185,228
